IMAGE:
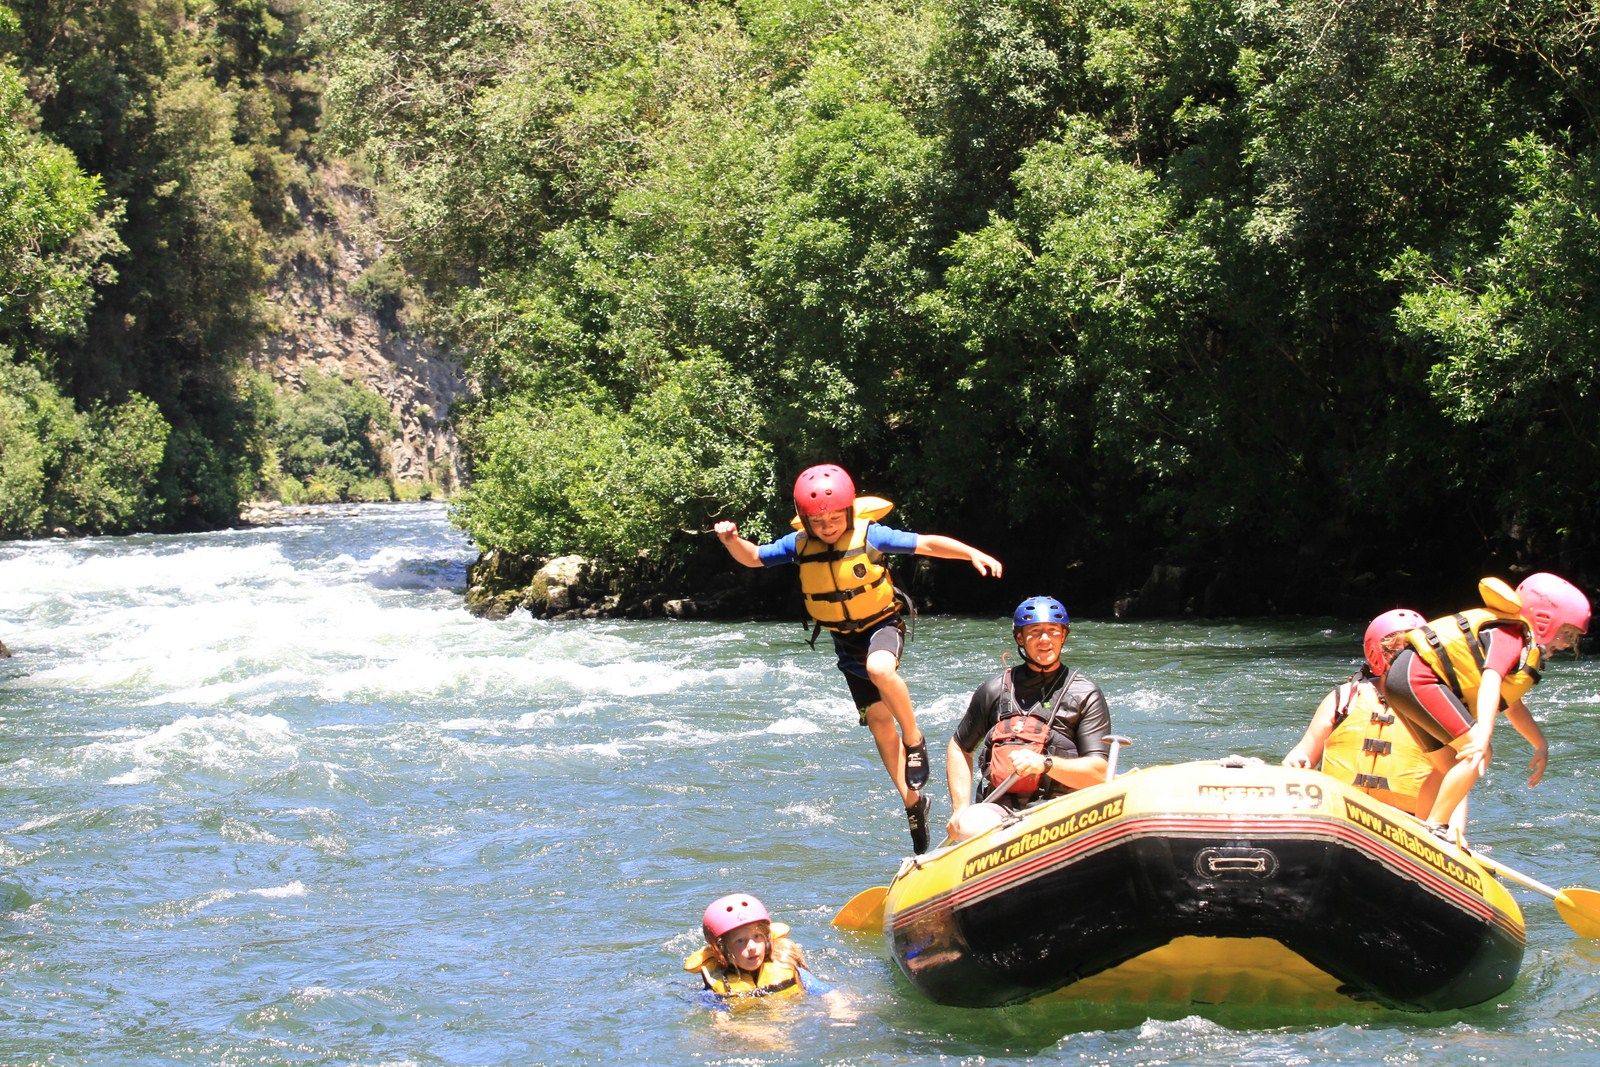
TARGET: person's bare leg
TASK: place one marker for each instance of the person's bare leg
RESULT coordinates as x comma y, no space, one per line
1458,782
885,674
1442,759
890,749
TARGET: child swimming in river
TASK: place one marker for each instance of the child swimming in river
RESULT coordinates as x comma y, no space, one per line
747,954
747,957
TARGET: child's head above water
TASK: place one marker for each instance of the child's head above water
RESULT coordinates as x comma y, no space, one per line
739,928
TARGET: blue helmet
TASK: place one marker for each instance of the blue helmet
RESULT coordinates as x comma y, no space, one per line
1039,609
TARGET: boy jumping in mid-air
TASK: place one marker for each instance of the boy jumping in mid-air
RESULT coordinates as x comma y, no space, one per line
840,551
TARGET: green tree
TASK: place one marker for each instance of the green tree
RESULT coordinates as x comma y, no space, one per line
55,231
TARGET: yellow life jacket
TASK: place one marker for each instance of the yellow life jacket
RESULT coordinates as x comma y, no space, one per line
773,980
1373,751
845,585
1452,647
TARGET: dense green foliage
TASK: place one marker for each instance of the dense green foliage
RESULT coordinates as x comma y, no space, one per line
93,470
1291,291
323,442
147,150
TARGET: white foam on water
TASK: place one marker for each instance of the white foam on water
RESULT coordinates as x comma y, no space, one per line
214,742
472,724
543,719
1146,700
415,672
219,896
139,573
259,690
793,725
810,814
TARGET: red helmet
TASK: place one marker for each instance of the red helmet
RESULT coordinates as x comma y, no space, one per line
1550,602
1383,626
730,913
823,488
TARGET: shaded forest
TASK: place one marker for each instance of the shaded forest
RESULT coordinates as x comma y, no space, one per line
1293,303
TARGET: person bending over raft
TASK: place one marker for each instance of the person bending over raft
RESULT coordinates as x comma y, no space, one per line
840,550
747,955
1356,738
1041,719
1458,671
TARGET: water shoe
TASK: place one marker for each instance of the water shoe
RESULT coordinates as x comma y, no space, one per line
917,764
917,819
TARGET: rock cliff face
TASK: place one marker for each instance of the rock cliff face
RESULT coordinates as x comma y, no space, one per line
338,306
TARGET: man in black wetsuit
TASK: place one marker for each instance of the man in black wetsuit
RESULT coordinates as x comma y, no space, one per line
1040,718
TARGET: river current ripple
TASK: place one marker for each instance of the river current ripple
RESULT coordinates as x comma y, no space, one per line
271,796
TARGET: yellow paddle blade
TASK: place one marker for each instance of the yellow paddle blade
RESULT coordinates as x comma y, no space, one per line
1581,908
865,910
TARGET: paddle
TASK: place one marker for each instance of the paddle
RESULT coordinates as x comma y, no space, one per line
1578,906
865,909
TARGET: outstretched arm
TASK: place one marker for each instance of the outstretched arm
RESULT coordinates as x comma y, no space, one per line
942,547
1521,720
742,550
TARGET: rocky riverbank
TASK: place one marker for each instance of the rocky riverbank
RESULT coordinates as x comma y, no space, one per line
342,306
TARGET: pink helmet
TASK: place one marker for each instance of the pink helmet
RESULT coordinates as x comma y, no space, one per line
1381,627
1550,602
730,913
823,488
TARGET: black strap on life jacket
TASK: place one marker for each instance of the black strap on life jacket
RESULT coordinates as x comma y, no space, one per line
762,991
909,613
1371,781
847,626
839,596
1474,645
1376,747
1441,655
1342,712
834,555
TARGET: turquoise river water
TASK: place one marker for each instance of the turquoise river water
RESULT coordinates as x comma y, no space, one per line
272,796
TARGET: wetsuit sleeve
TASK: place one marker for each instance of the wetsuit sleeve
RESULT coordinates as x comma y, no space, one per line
1502,649
811,983
974,725
776,553
888,540
713,1002
1094,722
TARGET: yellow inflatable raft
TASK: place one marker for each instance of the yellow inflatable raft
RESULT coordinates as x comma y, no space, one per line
1229,881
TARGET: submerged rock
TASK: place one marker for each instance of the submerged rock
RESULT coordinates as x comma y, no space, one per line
5,653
